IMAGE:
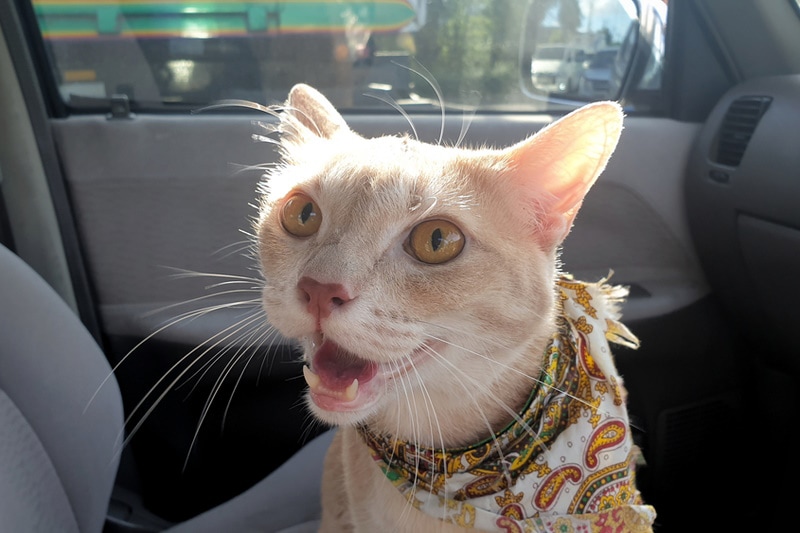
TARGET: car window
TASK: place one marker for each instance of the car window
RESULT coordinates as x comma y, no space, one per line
512,55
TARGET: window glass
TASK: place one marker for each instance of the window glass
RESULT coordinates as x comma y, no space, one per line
361,54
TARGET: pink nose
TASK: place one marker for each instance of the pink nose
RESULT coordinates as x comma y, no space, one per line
322,298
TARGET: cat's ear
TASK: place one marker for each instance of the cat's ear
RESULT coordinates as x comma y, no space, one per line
312,112
554,169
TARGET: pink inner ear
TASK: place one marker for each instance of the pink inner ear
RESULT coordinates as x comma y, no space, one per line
554,169
314,111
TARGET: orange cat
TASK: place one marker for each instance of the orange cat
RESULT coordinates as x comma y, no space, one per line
472,382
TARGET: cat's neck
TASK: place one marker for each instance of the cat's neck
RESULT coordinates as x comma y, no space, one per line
467,407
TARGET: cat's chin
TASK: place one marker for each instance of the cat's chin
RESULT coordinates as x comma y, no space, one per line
345,389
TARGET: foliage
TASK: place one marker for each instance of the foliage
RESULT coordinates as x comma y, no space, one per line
471,47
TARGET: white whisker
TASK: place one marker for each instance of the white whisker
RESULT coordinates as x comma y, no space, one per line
426,75
234,102
272,361
534,379
432,417
228,368
264,139
414,423
234,248
299,111
185,316
184,273
466,122
200,373
254,343
452,368
235,329
466,332
397,108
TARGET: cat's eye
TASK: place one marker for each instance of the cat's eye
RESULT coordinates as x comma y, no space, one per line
435,241
301,216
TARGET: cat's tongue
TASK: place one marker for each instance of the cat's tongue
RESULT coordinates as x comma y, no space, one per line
337,373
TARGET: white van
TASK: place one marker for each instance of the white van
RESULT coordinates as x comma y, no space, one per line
557,68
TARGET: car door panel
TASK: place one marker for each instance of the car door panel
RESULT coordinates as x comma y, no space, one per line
156,197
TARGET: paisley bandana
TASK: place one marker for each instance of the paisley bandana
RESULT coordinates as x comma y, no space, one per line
567,463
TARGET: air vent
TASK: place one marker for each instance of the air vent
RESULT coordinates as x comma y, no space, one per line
738,126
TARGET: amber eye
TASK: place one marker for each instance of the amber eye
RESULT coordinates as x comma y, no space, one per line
435,241
301,216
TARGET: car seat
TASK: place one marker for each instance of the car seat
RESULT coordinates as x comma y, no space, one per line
61,423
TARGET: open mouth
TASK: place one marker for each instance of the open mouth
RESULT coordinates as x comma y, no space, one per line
340,380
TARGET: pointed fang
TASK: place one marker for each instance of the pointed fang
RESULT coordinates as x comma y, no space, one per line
351,391
311,378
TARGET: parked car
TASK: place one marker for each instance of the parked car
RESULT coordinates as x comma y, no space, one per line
595,83
128,177
557,68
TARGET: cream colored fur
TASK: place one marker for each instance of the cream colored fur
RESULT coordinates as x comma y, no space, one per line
484,317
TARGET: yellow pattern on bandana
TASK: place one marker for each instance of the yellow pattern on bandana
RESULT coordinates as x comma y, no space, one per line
566,465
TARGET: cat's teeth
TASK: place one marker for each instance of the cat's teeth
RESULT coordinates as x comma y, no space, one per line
351,391
315,384
311,378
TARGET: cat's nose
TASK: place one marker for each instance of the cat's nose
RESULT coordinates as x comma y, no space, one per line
322,298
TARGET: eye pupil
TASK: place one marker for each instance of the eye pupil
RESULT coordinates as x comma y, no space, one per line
436,239
300,215
307,212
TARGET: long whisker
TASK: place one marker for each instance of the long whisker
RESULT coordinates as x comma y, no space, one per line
466,122
431,411
310,424
229,366
263,361
186,316
453,369
299,112
234,248
180,273
229,305
426,75
397,108
234,102
255,313
532,378
487,358
413,414
253,343
466,332
408,506
262,139
230,330
276,336
397,424
432,417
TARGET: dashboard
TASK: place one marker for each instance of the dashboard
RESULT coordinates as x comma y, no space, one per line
743,200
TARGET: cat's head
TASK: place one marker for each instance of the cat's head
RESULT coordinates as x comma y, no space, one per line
419,277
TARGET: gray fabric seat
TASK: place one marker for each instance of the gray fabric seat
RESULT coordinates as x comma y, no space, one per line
59,442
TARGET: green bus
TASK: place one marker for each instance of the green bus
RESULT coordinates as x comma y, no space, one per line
189,52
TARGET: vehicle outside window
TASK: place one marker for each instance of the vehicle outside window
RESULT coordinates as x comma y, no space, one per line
595,83
514,55
557,68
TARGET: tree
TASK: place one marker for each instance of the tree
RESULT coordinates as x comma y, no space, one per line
471,46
